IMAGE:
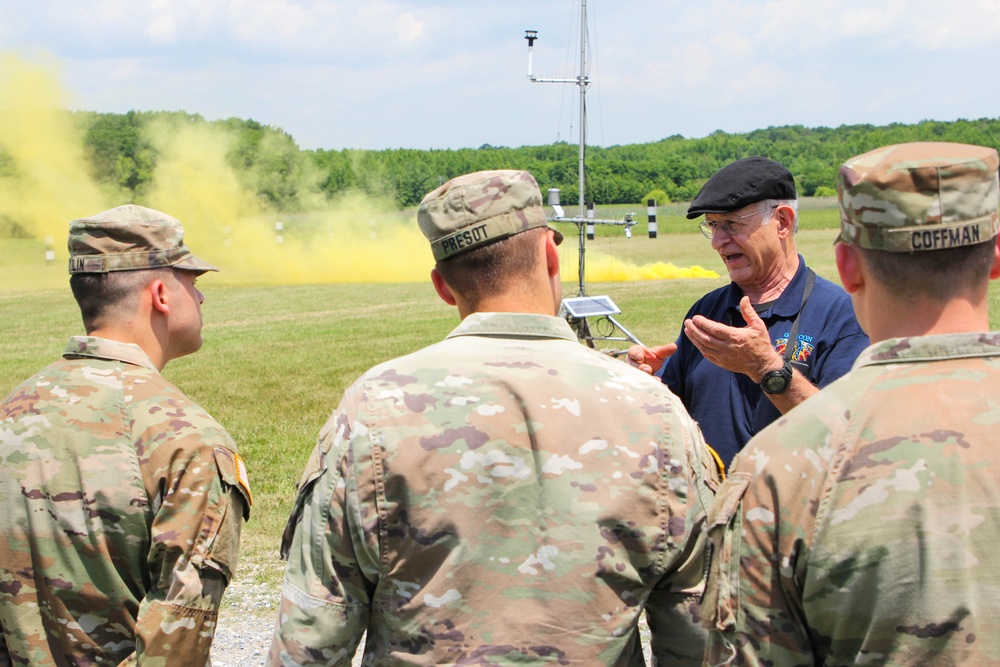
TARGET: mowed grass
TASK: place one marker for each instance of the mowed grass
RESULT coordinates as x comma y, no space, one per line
274,364
277,359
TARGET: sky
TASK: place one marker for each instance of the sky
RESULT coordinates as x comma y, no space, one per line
435,74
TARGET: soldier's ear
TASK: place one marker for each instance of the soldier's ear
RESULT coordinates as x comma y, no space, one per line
849,267
159,296
551,255
995,270
442,288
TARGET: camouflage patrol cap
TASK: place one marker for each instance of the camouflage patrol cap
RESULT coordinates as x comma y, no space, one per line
475,209
130,238
919,196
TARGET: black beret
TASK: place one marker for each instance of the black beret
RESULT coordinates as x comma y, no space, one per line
741,183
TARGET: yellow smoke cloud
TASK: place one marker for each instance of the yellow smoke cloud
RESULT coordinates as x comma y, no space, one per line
599,267
45,182
354,239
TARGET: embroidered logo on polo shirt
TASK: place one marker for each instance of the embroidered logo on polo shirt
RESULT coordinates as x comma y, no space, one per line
801,352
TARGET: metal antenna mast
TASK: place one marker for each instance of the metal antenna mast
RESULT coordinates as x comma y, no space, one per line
583,82
582,307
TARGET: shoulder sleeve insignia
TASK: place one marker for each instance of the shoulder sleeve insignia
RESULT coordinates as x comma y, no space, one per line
242,478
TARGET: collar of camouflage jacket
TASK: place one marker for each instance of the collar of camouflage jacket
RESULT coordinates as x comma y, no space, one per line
112,350
516,325
931,348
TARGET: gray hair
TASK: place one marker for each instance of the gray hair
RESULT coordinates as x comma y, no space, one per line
767,204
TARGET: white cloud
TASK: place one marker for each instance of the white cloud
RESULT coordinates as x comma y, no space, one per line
284,24
162,29
109,12
125,69
886,25
367,29
443,73
409,28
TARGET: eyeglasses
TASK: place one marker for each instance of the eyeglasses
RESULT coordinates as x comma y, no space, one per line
728,227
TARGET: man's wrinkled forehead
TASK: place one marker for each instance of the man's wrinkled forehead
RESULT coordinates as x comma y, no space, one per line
749,209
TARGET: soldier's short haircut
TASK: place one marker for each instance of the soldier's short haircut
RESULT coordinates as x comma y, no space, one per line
939,275
493,268
103,295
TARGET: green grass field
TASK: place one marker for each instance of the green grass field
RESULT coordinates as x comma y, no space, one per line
276,359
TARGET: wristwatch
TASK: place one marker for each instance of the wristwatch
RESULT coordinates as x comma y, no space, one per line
775,382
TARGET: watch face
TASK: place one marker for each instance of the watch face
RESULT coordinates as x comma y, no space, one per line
777,381
775,384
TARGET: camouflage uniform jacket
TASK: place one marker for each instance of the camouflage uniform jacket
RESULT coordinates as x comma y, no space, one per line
505,496
862,527
122,504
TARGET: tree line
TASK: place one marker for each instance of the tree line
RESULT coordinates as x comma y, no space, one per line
122,153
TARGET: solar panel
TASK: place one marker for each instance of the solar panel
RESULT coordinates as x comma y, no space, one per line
590,306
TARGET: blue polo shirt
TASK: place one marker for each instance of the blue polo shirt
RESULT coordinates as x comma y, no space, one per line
731,408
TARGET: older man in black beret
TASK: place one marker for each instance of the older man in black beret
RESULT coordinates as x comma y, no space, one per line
754,349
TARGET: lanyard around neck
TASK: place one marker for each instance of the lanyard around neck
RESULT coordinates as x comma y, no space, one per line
793,335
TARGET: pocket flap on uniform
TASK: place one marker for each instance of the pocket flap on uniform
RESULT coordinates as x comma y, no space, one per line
727,500
721,599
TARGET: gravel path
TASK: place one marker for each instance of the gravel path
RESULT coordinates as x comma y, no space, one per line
246,619
241,641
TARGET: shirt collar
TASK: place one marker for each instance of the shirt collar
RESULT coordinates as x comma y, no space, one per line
514,325
93,347
931,348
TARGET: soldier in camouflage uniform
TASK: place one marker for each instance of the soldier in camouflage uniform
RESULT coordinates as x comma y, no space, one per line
862,527
122,499
504,496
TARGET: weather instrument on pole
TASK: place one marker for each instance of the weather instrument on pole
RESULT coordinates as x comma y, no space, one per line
584,310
